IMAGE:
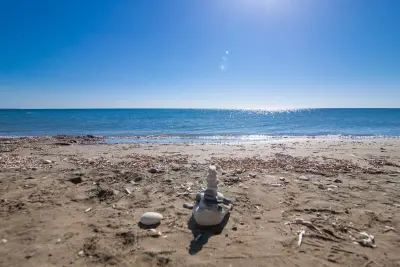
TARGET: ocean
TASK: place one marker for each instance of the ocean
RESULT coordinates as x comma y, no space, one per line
201,125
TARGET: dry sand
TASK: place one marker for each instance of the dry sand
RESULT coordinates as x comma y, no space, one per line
64,202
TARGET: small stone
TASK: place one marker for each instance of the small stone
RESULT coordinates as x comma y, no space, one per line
321,186
58,241
282,179
330,190
47,161
275,185
76,180
155,170
151,218
257,217
234,228
81,253
188,206
332,186
4,241
303,178
337,181
175,168
252,175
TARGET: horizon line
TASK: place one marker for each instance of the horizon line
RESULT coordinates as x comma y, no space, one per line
180,108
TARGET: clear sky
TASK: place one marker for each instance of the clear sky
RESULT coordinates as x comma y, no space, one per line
199,53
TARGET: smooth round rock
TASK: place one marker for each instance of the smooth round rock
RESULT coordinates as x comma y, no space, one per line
151,218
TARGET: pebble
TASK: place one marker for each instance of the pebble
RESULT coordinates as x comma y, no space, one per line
188,206
275,185
332,186
151,218
47,161
154,170
330,190
234,228
282,179
252,175
4,241
304,178
337,181
81,253
76,180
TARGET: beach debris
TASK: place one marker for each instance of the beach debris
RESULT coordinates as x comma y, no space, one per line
151,218
366,240
128,191
175,167
238,171
155,233
388,229
302,232
252,175
3,241
232,180
309,224
291,163
88,209
303,178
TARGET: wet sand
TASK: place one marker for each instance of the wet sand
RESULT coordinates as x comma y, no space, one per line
65,202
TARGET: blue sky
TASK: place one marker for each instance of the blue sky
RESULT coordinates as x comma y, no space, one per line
199,53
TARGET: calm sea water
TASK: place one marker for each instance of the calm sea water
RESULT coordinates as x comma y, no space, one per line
201,125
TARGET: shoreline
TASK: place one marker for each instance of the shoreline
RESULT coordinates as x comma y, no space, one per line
201,139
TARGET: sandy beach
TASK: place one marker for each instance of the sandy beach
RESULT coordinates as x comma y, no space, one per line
74,201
